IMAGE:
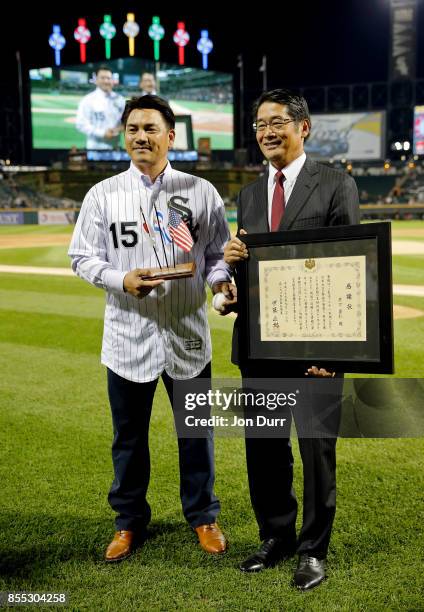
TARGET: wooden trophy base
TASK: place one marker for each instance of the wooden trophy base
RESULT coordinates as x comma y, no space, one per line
184,270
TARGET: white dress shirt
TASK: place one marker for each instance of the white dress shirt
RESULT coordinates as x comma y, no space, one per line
167,329
291,172
97,112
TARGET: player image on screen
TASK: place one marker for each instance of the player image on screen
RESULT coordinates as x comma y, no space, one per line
99,113
147,84
63,112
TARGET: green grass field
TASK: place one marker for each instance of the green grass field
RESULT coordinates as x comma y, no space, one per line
56,470
53,121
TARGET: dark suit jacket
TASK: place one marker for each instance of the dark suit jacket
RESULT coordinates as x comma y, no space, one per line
321,197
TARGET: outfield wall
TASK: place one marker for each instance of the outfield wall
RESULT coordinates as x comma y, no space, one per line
38,217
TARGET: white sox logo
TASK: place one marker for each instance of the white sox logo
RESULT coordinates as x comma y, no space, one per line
186,214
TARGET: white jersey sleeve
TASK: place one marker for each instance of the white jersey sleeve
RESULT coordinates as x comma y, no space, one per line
88,248
216,269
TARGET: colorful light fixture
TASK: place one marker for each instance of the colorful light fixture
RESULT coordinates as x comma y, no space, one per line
82,35
181,38
107,31
57,42
131,29
156,33
204,46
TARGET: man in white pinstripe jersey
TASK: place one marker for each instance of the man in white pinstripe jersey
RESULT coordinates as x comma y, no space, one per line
152,328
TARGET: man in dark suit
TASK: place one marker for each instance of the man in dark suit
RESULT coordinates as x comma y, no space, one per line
295,193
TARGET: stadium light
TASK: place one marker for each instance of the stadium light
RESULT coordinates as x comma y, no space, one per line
181,38
131,29
156,33
82,35
204,46
400,146
57,42
107,31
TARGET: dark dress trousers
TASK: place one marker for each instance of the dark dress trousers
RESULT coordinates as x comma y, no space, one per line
321,197
131,405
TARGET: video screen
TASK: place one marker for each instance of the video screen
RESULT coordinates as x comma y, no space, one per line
419,130
353,136
72,107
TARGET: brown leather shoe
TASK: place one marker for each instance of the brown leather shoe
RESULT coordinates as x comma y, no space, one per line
121,546
211,538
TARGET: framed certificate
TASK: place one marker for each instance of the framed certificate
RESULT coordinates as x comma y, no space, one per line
320,296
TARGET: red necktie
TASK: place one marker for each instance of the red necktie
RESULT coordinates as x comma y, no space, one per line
278,201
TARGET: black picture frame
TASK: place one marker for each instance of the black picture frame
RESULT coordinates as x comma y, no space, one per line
375,354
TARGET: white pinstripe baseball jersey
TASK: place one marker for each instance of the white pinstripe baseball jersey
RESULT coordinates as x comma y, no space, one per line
167,329
99,111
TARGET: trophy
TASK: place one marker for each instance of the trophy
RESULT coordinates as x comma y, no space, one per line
183,235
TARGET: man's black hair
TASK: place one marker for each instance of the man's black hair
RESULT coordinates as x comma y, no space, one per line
103,67
150,101
297,107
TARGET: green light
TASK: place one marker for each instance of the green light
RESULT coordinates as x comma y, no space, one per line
107,31
156,33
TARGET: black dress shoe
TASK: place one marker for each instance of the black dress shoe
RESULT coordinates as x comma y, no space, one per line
270,552
310,572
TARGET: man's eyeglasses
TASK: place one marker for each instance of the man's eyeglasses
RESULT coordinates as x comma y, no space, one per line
276,125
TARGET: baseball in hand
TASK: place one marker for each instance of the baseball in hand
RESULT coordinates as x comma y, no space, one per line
218,301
